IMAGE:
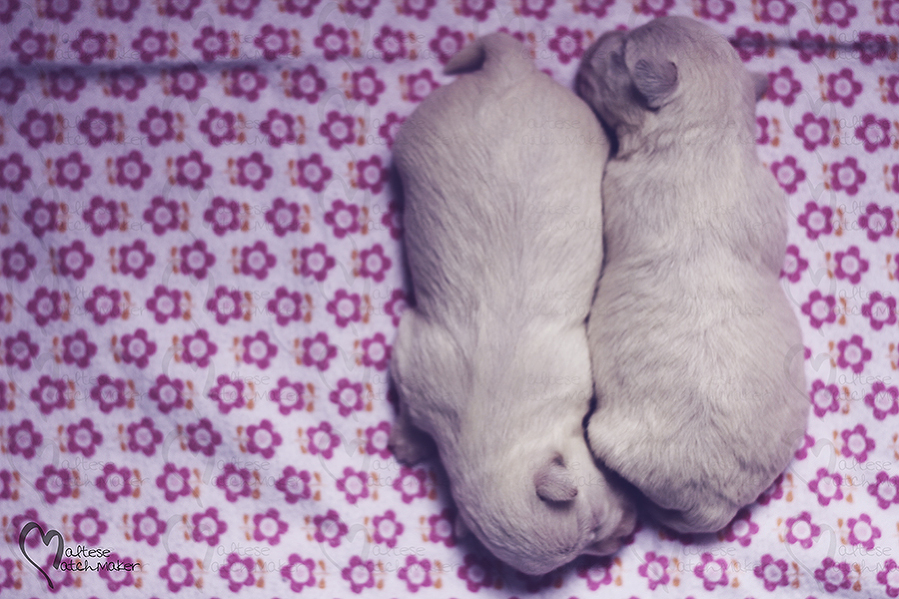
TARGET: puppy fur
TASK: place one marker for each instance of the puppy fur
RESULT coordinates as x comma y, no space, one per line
697,356
492,361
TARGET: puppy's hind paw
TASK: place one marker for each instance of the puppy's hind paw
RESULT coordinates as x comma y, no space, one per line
409,444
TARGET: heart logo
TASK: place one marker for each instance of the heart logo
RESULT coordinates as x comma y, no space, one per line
46,538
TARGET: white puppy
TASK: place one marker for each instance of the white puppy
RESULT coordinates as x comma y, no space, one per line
697,355
501,174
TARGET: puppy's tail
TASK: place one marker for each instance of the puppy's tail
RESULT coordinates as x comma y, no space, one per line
494,54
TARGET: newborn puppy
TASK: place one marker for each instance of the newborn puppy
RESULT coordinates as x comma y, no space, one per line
500,172
697,355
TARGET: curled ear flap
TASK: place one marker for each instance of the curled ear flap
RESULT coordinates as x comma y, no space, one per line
655,80
760,83
555,483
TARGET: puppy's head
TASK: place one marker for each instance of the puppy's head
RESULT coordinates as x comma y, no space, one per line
671,70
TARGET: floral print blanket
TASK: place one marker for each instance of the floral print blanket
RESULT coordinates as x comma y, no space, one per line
201,270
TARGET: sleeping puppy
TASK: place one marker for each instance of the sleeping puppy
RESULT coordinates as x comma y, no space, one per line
697,355
492,361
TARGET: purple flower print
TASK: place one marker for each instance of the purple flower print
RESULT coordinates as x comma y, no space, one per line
813,131
258,350
41,216
376,440
303,7
318,352
234,482
347,397
873,132
345,308
343,218
419,86
772,573
165,304
299,571
539,9
243,9
187,81
192,171
655,570
360,574
101,216
889,575
157,126
387,529
885,489
783,86
45,306
202,438
228,394
131,170
147,526
390,128
712,572
322,440
17,262
892,85
174,481
223,215
872,46
417,8
23,440
77,349
788,174
395,306
863,532
177,573
288,396
269,527
247,83
195,260
820,309
207,527
225,304
151,44
143,437
98,127
66,85
109,393
746,42
29,46
88,527
843,88
126,83
827,486
83,438
338,129
37,129
104,304
74,260
279,128
55,484
13,172
890,15
198,349
315,262
390,44
856,444
329,528
219,127
71,171
256,261
294,485
416,573
20,520
263,439
306,84
313,173
11,86
411,483
90,45
883,400
253,171
778,12
137,348
20,351
374,264
847,176
376,352
213,43
272,42
62,10
880,310
163,215
839,13
50,394
568,44
850,265
598,571
287,306
283,217
480,572
363,8
853,354
115,483
877,221
333,42
834,575
120,9
825,398
719,10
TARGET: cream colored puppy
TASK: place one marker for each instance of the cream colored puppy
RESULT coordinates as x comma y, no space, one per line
697,355
501,174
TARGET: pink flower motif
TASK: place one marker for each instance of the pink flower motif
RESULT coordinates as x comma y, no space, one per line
187,81
302,7
761,130
137,348
359,574
253,171
83,439
347,397
376,352
322,440
847,176
395,306
195,260
212,43
219,126
306,84
98,127
90,45
374,264
820,309
478,572
13,172
883,400
772,573
62,10
115,483
417,8
788,174
366,86
839,13
167,393
568,44
850,265
101,216
878,221
243,9
287,306
824,398
376,440
151,44
741,528
371,174
841,87
416,573
387,529
315,262
198,349
109,393
202,438
235,482
873,132
294,485
337,129
713,572
853,354
333,42
353,484
313,173
778,12
247,83
411,483
228,394
37,129
420,85
55,484
226,304
863,532
148,527
88,526
833,575
7,12
192,171
345,308
808,442
223,215
390,128
279,128
288,396
719,10
20,351
885,489
45,306
120,9
66,84
23,439
746,42
283,217
889,575
177,573
207,527
29,46
157,126
131,170
827,486
41,216
329,528
71,171
479,9
391,44
272,42
74,260
11,86
343,218
654,569
363,8
258,350
256,261
298,571
126,83
77,349
163,215
135,259
269,527
813,132
263,439
165,304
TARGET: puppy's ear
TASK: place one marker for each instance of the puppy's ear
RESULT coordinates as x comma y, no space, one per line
554,482
656,80
760,82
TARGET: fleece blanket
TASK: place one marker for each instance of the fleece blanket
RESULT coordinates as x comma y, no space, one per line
201,271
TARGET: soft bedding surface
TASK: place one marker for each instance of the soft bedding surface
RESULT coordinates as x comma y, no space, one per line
202,278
